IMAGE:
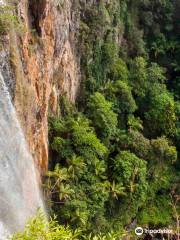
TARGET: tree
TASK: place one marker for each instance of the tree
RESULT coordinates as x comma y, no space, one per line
131,171
103,118
138,77
177,136
84,138
156,74
110,53
160,118
123,102
162,151
119,71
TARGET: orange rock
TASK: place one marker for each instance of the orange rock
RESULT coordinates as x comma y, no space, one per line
46,66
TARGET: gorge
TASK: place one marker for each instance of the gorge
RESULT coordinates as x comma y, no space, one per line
90,115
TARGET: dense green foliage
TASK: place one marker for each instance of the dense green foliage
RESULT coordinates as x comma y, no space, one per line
41,228
115,156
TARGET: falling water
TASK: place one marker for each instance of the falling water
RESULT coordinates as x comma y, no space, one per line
19,191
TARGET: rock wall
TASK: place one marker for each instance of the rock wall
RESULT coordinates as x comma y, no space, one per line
46,64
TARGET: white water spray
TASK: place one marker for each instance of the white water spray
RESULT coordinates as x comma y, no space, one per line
19,191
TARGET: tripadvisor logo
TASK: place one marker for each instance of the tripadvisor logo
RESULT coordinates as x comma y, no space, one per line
139,231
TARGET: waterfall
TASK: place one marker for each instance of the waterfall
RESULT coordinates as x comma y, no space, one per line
19,191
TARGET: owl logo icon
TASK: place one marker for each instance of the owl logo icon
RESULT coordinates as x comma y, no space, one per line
139,231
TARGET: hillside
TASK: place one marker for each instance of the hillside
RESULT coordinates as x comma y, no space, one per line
96,87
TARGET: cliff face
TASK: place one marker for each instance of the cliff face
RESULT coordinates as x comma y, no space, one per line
45,65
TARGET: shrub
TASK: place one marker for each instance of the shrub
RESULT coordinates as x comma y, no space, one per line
8,20
40,228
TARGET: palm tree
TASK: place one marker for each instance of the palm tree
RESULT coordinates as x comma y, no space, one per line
76,165
117,190
65,191
58,175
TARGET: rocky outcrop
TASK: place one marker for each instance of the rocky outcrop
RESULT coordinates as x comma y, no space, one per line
46,65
